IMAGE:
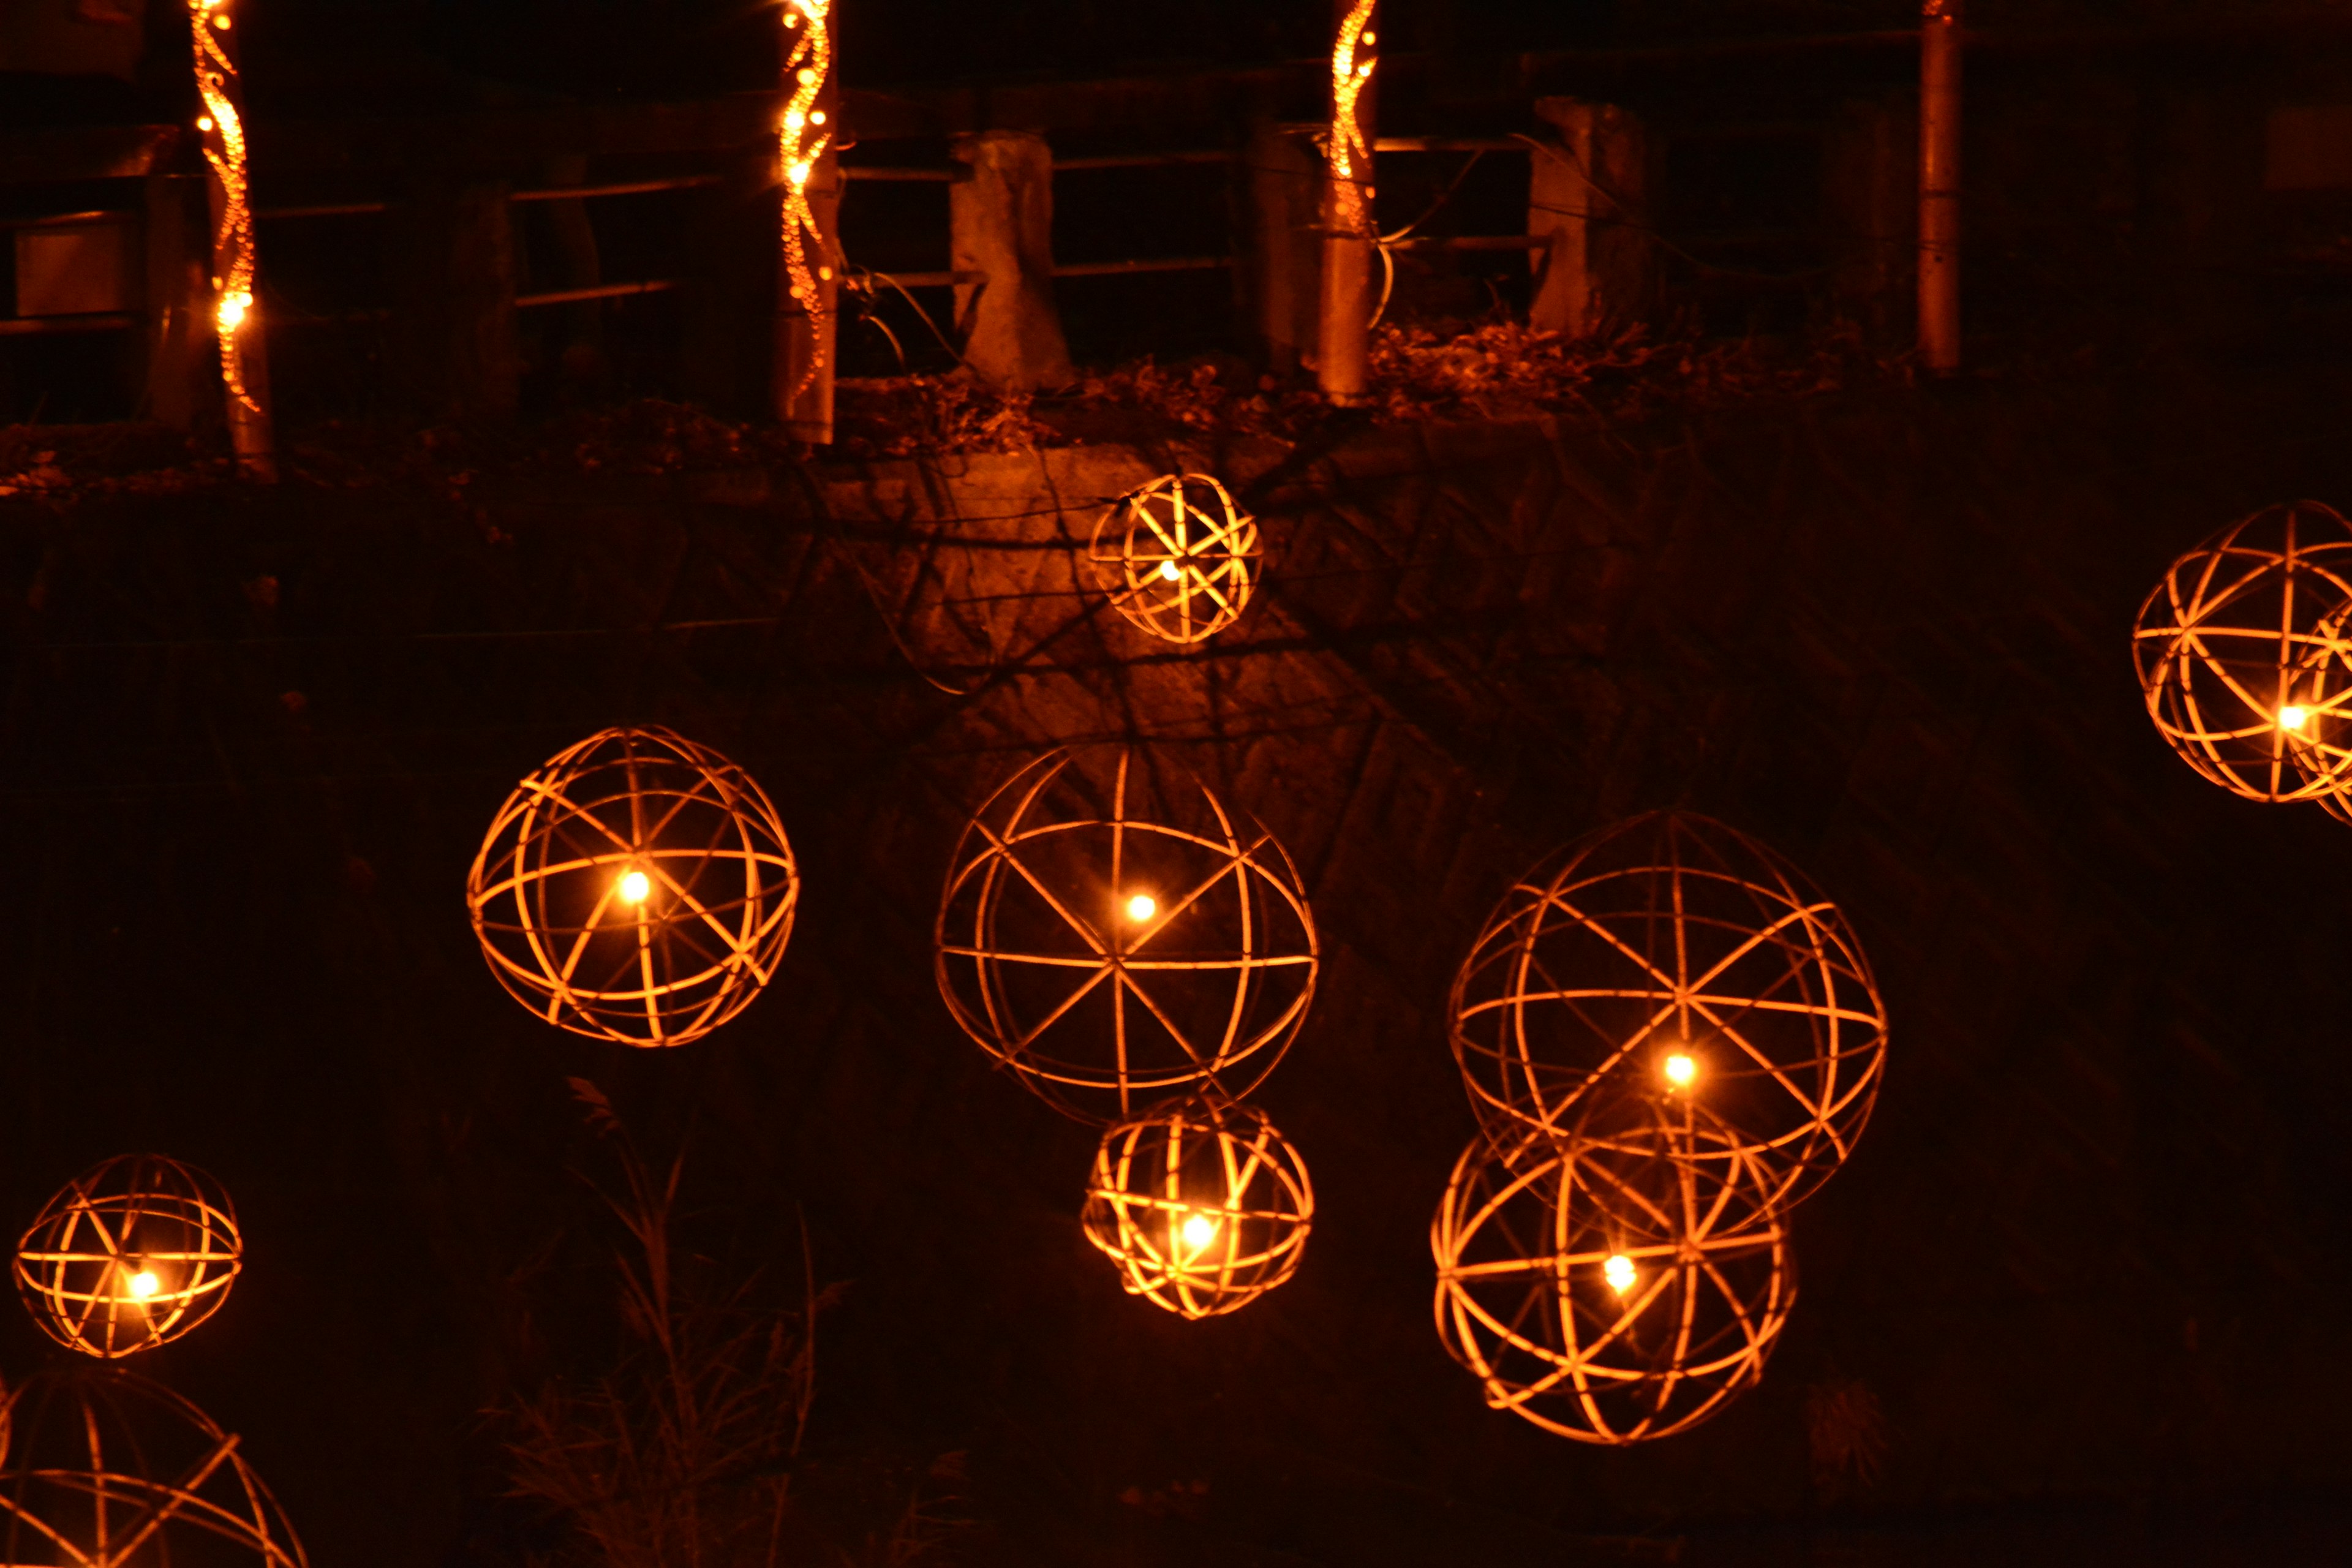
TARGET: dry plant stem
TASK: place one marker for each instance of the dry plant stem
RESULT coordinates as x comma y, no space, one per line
1177,557
1613,1291
1673,958
1204,1207
637,888
680,1457
108,1470
2245,657
130,1254
1109,957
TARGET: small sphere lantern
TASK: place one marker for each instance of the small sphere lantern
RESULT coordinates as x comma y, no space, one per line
105,1470
1177,557
130,1255
1617,1291
1673,958
2245,656
637,888
1204,1207
1113,938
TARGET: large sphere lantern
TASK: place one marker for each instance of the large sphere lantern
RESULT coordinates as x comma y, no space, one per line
105,1470
2245,656
1114,934
1177,557
1204,1207
130,1255
1612,1291
637,888
1674,959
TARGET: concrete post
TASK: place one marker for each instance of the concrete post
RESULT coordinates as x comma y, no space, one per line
1001,228
1587,208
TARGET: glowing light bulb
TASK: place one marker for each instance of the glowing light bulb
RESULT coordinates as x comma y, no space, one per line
1618,1272
1370,38
1198,1231
800,173
203,122
804,76
1143,907
2294,716
793,120
144,1284
1168,571
1680,1071
231,313
221,22
818,117
633,886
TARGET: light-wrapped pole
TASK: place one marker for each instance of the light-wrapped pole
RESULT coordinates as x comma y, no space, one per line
1349,239
810,180
236,319
1939,185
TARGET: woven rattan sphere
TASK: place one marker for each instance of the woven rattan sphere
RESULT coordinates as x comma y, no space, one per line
637,888
1113,933
2246,655
104,1470
1672,957
1616,1290
128,1256
1201,1203
1177,557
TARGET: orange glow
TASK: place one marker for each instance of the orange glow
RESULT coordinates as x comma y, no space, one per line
1681,1070
1198,1231
1143,907
1618,1272
144,1284
798,146
2294,716
633,887
1168,573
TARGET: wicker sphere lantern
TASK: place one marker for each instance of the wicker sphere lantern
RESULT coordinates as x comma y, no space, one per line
1177,557
1673,958
105,1470
1616,1289
637,888
2246,655
1114,937
1204,1207
130,1255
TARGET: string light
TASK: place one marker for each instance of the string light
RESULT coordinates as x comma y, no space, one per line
802,140
1351,156
224,128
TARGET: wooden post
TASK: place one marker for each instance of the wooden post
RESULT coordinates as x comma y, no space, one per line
1871,202
1939,185
176,297
236,316
1351,236
456,304
1286,253
809,179
1001,233
1587,208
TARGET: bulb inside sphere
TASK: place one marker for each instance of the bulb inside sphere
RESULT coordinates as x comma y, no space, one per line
144,1284
1168,573
1618,1272
2294,716
1143,907
1681,1069
633,886
1198,1231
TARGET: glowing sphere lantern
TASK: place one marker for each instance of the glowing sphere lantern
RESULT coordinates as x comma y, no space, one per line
105,1470
1616,1288
637,888
1204,1207
1113,936
128,1256
2245,656
1177,557
1674,959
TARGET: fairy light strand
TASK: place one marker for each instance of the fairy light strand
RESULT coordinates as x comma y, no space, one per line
803,137
1351,156
216,77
